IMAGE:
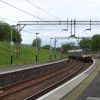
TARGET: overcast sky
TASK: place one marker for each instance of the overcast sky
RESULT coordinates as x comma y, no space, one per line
62,9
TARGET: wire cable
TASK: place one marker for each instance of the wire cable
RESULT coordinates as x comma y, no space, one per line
43,10
24,11
21,10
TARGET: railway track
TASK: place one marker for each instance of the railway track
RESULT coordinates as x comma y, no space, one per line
32,89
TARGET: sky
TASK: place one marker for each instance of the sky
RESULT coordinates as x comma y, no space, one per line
59,9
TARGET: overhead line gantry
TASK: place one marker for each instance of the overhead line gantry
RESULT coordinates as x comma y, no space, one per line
22,24
58,22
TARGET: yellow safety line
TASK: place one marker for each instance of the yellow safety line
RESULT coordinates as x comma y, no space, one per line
74,94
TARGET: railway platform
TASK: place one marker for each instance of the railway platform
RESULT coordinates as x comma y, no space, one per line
85,86
89,89
14,68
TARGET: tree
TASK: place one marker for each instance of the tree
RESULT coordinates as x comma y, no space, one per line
66,47
38,40
5,33
16,36
46,47
85,43
95,42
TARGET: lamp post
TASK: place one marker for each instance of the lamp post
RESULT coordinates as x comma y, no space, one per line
55,47
11,43
61,51
37,55
50,49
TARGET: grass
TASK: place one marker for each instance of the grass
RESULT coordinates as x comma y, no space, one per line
27,55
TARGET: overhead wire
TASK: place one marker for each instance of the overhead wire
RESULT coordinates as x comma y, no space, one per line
26,11
42,9
20,9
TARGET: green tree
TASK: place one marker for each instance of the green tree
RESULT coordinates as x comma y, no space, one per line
85,43
5,33
16,36
38,40
96,42
66,47
46,47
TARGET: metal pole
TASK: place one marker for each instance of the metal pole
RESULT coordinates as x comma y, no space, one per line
55,47
71,26
36,48
74,26
90,24
67,24
11,57
50,49
78,42
61,51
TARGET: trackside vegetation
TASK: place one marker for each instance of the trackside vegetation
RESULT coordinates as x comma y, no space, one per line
92,43
21,54
5,33
27,54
